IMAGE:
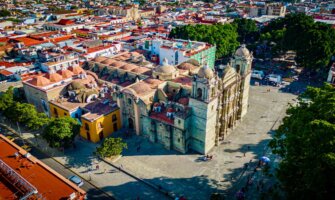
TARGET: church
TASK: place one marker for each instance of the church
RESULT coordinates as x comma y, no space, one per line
184,107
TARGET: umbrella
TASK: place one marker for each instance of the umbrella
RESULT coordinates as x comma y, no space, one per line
265,159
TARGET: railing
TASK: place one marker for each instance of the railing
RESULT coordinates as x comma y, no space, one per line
17,180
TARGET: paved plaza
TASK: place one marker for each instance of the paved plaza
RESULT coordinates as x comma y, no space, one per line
187,174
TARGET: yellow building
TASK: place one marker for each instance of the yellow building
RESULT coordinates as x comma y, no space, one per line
96,127
99,118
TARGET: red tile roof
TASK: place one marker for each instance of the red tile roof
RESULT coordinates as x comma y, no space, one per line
65,22
28,41
32,174
6,73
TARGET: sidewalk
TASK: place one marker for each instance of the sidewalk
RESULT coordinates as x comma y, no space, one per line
81,161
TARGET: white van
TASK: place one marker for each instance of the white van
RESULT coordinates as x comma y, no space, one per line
258,74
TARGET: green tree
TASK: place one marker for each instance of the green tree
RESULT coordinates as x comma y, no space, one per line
223,36
313,42
247,29
60,132
38,121
306,143
111,147
4,13
7,99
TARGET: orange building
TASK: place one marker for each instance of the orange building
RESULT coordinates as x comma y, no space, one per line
22,176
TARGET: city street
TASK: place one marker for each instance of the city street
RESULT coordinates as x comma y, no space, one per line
92,191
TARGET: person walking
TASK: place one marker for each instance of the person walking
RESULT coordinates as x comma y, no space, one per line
89,176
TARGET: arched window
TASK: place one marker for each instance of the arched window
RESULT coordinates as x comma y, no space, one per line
114,118
199,93
238,68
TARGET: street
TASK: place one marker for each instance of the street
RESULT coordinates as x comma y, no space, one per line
92,191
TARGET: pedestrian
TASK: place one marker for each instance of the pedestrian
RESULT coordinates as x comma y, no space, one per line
97,167
89,176
244,154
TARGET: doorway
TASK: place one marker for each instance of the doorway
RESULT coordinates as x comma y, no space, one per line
101,135
130,123
88,136
115,127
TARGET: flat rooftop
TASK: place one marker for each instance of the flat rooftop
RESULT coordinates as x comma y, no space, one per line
99,108
26,175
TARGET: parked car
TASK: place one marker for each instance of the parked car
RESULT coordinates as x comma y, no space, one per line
274,79
258,74
76,180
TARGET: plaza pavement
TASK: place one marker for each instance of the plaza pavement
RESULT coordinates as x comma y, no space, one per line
186,174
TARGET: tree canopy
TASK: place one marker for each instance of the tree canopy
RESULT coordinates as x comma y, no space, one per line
247,30
313,41
223,36
24,113
306,143
4,13
60,132
111,147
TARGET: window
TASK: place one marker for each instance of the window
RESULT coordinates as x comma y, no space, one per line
87,127
179,121
65,114
55,112
129,101
114,119
238,68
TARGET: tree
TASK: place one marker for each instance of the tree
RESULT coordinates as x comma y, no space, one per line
306,143
38,121
60,132
4,13
247,29
313,42
7,99
111,147
223,36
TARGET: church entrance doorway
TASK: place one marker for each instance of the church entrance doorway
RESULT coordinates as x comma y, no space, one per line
130,123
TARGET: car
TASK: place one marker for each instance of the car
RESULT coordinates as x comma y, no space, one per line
76,180
258,74
274,79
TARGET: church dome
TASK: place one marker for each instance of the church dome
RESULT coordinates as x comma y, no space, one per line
242,51
205,72
165,68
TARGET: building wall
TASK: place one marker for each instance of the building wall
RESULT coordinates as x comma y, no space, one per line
103,124
56,111
37,97
203,125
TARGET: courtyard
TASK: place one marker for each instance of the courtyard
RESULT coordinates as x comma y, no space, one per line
187,174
